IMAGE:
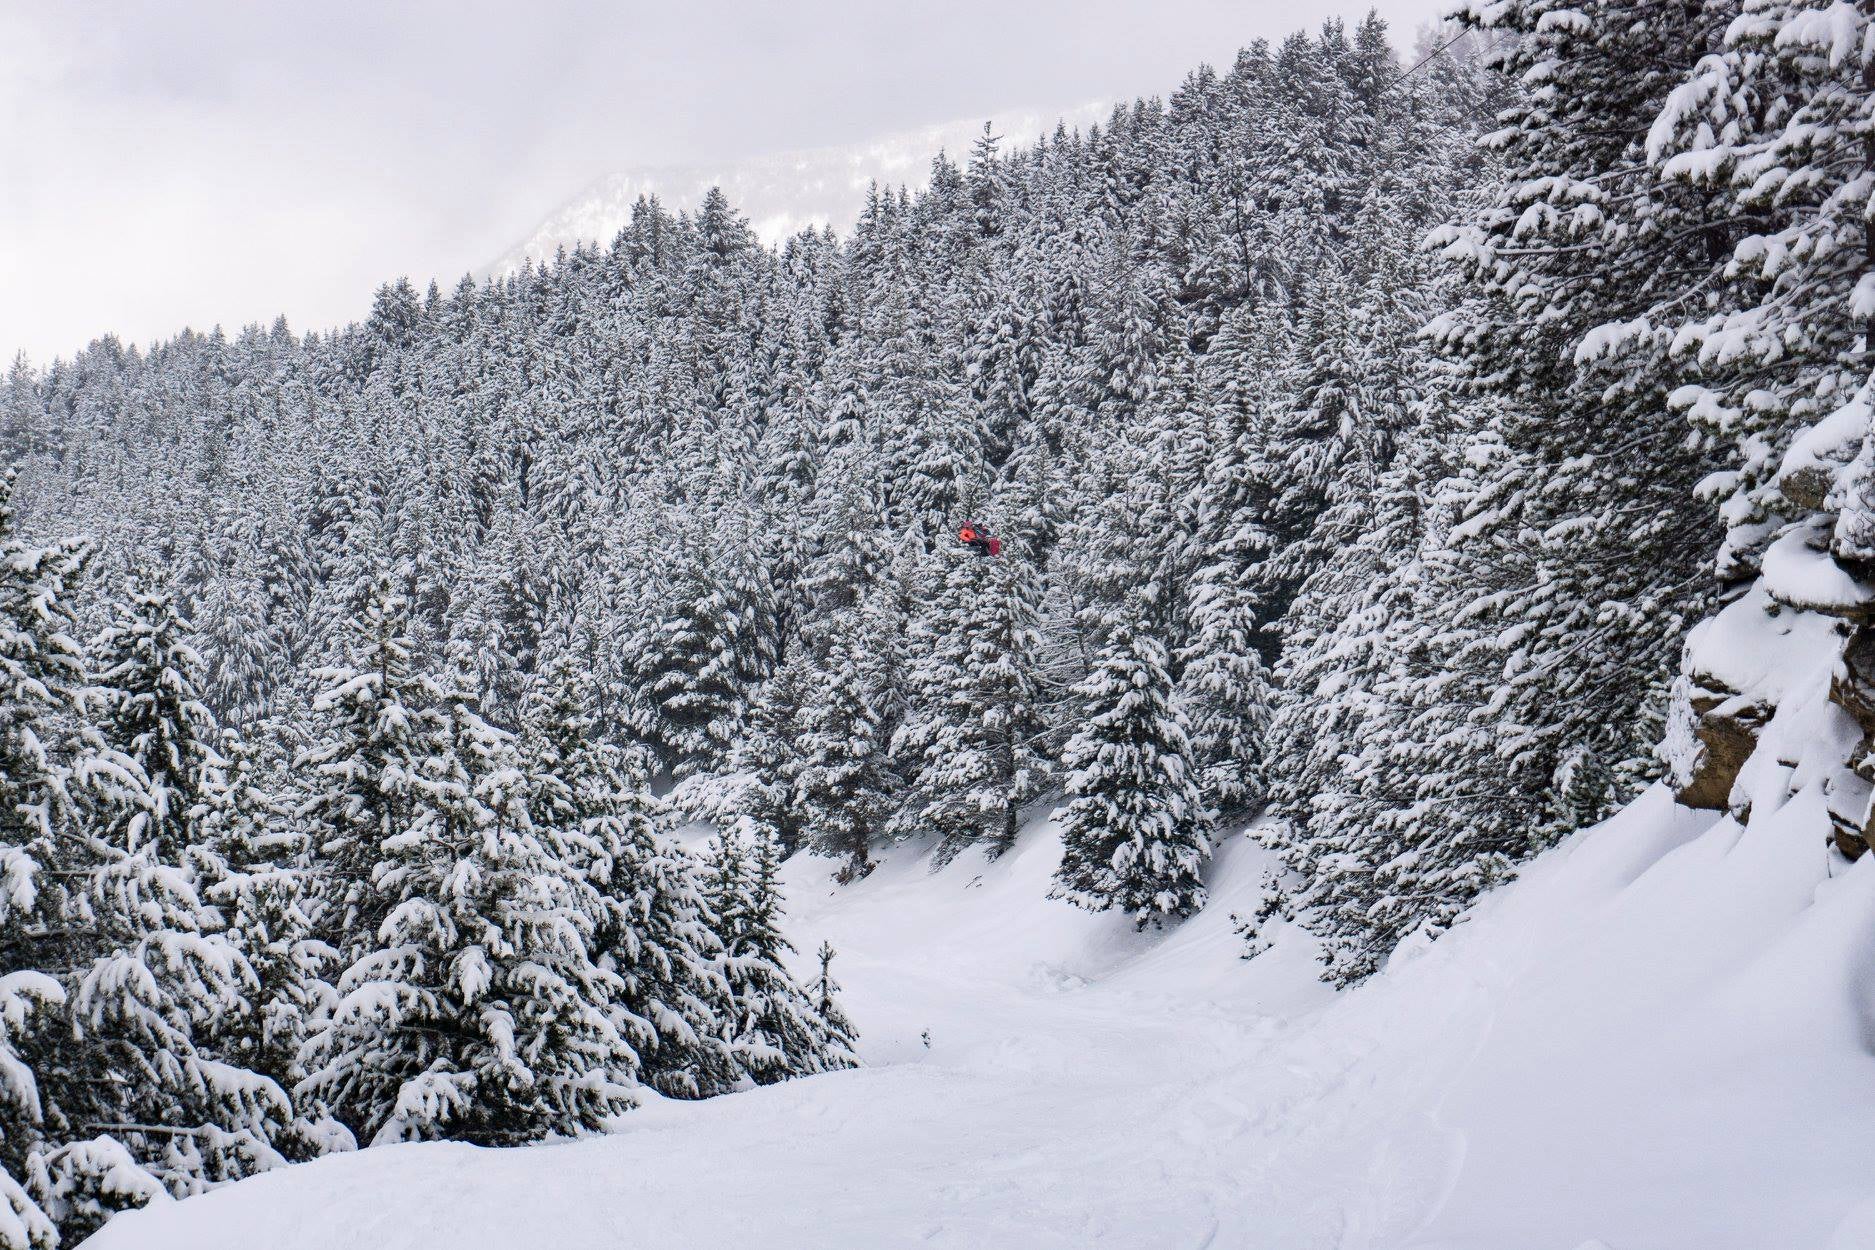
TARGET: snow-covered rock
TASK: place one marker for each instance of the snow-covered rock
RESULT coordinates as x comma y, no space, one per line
1798,570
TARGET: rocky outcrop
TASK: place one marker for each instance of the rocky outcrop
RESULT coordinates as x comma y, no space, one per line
1799,572
1726,725
1852,688
1771,648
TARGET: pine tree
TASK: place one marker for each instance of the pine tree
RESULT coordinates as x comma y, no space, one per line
234,630
1777,124
40,669
1773,129
774,1030
843,787
148,676
697,668
654,936
1379,803
138,1102
254,868
970,738
1577,260
1136,835
1225,691
146,1013
764,767
841,1034
368,776
477,1014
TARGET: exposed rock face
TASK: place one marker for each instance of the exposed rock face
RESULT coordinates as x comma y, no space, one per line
1778,692
1806,486
1851,844
1726,725
1852,688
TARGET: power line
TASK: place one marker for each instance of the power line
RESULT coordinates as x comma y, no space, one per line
1428,58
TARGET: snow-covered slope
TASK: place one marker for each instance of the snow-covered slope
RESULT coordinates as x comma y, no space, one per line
783,192
1659,1038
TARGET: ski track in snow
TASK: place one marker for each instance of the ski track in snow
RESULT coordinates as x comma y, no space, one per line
1658,1039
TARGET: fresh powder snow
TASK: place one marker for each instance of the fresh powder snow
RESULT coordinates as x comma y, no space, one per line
1657,1038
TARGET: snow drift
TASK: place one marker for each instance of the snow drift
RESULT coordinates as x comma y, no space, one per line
1659,1037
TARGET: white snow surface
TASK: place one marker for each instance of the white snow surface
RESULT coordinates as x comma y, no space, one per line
1798,569
1763,650
1658,1038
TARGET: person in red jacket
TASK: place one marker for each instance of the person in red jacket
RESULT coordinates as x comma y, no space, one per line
979,539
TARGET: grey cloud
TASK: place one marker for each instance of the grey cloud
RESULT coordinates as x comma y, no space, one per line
201,162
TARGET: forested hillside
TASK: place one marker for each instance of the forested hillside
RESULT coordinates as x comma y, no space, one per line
1360,436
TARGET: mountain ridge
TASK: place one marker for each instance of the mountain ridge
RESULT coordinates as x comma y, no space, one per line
781,192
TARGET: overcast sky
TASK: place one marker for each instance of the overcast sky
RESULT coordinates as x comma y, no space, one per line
193,162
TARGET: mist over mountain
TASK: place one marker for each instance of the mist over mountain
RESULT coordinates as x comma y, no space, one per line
782,192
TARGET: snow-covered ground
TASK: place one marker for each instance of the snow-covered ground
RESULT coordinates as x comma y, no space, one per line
1659,1038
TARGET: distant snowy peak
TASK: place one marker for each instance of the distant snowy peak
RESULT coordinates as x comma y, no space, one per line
783,192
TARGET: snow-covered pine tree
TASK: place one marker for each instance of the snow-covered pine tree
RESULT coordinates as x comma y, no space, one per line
932,447
229,609
655,936
698,667
254,868
774,1030
477,1013
843,786
141,1073
1383,733
1372,843
41,670
1775,123
840,1031
1579,265
151,980
1225,684
1134,550
366,775
971,736
1780,123
1225,689
763,768
147,676
1136,834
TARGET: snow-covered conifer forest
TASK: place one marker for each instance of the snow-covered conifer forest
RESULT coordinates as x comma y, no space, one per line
483,723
